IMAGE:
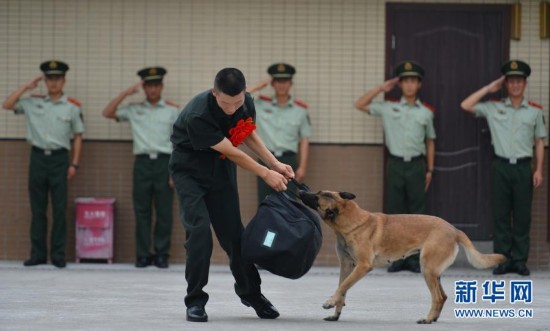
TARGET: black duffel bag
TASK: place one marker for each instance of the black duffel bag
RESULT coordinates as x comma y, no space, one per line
284,237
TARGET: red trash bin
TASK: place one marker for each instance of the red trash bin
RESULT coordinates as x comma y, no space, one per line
94,228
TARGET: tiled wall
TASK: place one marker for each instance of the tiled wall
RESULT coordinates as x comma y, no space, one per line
336,45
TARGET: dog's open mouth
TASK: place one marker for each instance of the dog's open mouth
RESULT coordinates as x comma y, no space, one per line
309,199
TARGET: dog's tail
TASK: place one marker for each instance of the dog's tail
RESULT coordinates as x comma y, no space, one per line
477,259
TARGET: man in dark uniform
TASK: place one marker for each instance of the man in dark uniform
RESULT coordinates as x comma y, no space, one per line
202,165
52,120
516,125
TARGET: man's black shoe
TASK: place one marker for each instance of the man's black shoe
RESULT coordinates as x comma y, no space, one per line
34,261
396,266
60,263
501,269
522,270
262,306
161,261
196,314
143,261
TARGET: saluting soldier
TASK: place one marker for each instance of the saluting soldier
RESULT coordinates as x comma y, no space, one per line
203,165
410,138
151,121
283,123
516,124
52,120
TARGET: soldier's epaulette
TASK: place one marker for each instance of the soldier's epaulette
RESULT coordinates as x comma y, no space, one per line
173,104
391,100
301,104
496,100
74,101
430,107
265,98
534,104
42,96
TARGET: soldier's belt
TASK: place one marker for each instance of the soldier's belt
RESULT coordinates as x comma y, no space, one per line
514,160
407,158
283,153
49,152
152,156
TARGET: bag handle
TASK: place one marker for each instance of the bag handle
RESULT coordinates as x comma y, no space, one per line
301,186
290,194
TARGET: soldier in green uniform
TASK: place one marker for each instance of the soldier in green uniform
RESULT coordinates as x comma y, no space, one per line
203,165
51,122
151,122
409,136
283,123
516,125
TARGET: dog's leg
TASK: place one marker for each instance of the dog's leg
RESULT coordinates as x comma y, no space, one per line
337,299
438,297
346,266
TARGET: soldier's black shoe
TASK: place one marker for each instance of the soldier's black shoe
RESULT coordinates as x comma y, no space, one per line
262,306
501,269
34,261
414,267
396,266
143,261
161,261
196,314
60,263
522,270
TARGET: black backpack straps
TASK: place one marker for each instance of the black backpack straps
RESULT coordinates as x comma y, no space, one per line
301,186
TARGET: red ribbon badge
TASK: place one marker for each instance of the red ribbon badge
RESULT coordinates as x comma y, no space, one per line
240,132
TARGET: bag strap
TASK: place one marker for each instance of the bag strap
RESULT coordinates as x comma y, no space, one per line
301,186
290,194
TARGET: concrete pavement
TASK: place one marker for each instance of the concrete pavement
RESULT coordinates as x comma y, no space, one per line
91,296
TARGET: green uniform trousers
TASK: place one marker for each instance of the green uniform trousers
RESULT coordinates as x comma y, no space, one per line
207,189
512,197
405,192
151,186
48,173
264,190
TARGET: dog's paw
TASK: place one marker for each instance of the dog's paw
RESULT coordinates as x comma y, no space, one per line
329,304
332,318
424,321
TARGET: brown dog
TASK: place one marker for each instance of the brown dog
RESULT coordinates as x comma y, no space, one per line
366,240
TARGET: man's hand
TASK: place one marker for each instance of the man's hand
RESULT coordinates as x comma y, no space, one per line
428,181
275,180
537,178
134,88
283,169
71,172
495,85
33,83
300,174
389,85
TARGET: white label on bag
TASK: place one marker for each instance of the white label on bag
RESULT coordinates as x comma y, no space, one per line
269,237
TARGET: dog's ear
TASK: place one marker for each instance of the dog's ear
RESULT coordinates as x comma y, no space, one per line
331,214
347,196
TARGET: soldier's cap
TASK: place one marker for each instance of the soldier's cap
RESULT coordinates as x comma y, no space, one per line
54,68
409,69
152,74
281,71
516,68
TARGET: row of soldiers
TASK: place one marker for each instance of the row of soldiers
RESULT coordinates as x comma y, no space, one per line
53,119
196,152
